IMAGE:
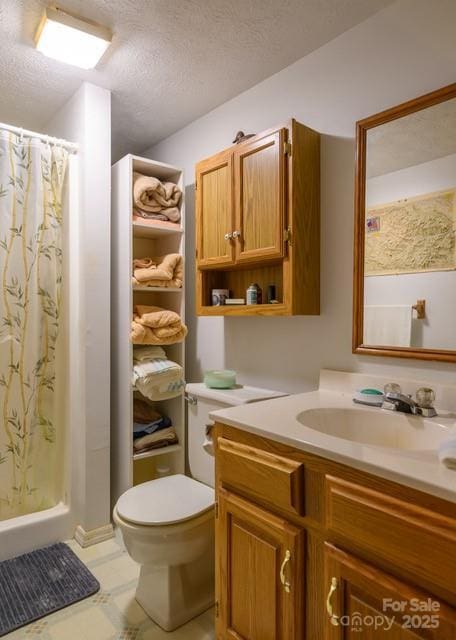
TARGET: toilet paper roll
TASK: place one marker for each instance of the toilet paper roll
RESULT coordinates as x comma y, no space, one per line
208,444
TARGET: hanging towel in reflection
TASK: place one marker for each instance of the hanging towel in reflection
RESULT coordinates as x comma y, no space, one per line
388,325
154,325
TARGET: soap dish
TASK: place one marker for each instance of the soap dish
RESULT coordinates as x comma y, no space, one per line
371,397
220,379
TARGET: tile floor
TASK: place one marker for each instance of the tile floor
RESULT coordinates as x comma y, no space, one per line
112,613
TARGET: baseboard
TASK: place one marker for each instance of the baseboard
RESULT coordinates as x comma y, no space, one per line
87,538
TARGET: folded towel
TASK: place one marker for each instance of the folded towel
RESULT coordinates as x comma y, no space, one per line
171,215
165,271
154,325
156,220
158,379
144,413
147,353
141,430
150,216
156,440
151,196
447,452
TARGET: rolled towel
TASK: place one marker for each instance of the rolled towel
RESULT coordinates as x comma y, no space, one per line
151,196
162,438
447,452
163,271
154,325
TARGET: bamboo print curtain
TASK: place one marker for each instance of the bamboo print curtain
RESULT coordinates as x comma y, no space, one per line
32,179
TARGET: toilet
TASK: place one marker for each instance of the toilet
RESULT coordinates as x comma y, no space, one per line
167,524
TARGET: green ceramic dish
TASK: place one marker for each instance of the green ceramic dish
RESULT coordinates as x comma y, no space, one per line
220,379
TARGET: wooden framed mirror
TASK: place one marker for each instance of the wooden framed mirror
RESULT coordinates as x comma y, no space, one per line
404,301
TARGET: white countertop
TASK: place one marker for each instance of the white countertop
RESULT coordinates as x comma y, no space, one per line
277,420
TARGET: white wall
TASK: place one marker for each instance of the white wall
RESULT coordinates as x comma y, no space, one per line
400,53
86,119
438,288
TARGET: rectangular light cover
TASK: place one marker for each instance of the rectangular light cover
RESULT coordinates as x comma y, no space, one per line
69,39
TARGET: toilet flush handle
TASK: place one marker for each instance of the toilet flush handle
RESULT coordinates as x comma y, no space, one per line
193,400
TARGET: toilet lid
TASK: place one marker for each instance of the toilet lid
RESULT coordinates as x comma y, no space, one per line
165,501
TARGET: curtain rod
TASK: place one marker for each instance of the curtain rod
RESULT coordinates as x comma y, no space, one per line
72,147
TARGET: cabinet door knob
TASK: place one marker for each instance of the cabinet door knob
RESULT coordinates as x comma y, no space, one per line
283,580
236,234
332,616
228,236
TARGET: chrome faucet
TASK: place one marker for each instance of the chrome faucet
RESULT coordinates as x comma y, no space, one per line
395,400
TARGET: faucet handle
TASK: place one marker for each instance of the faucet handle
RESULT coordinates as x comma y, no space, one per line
425,397
392,387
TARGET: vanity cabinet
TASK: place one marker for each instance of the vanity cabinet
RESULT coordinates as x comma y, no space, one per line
362,599
258,220
366,555
261,564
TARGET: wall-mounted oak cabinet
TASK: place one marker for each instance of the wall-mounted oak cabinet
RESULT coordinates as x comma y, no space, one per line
258,220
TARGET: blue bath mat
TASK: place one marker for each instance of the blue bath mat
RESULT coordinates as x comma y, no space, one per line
38,583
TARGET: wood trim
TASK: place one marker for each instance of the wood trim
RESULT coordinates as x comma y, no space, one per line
274,139
262,475
362,127
421,541
218,161
271,530
375,585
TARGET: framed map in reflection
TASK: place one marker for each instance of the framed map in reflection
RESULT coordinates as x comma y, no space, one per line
412,235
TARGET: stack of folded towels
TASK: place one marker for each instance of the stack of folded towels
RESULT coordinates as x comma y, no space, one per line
156,377
151,430
165,271
154,325
156,200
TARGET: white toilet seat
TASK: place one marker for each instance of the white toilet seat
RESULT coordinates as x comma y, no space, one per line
165,501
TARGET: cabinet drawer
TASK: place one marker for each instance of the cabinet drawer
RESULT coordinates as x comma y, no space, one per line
401,533
270,478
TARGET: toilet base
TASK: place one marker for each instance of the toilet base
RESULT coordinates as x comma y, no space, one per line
173,595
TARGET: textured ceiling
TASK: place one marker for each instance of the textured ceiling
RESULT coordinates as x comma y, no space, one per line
171,60
419,137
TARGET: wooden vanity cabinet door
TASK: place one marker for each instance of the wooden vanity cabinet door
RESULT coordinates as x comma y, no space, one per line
252,546
214,211
358,604
260,170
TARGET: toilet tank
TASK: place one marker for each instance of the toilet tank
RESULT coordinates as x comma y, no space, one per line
201,402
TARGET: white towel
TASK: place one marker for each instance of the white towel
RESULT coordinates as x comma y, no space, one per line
447,453
388,325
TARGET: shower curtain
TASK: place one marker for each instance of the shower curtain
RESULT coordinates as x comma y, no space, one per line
32,211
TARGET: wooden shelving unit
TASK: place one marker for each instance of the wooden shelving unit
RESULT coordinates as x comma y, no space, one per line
136,239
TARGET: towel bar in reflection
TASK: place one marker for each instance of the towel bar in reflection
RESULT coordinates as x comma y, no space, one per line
420,308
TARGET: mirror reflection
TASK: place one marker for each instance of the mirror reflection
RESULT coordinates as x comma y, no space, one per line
410,231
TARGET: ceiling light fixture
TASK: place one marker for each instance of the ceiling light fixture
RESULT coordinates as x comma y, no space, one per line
70,39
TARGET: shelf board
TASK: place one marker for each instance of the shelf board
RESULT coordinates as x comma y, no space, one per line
157,452
159,289
150,230
245,310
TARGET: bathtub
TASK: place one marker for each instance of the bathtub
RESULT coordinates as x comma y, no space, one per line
34,530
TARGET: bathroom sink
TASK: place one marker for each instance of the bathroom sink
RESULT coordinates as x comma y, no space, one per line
376,427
